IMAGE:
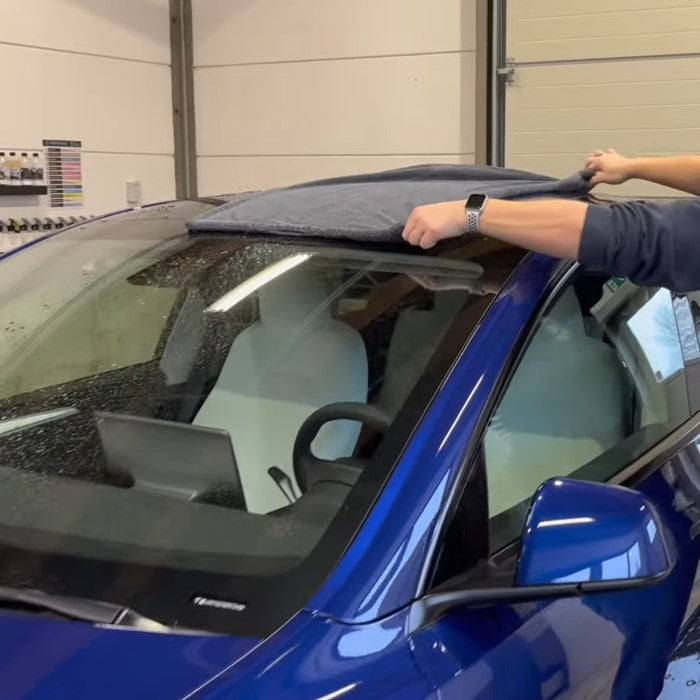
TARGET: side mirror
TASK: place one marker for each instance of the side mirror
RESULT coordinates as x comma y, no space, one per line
593,535
579,538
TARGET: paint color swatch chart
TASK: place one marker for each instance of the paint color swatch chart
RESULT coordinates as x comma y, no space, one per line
64,173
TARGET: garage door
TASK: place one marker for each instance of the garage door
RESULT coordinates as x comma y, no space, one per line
597,74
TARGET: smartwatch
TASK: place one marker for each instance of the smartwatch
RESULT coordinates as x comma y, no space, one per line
474,206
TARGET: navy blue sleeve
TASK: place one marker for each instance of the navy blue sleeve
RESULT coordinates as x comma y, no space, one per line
650,244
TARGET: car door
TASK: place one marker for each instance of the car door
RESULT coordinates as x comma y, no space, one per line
605,389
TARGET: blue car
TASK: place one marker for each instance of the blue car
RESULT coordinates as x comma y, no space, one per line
249,466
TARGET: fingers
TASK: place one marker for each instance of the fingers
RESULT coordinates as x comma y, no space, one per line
596,180
416,236
417,233
593,160
412,231
597,153
409,226
427,240
412,235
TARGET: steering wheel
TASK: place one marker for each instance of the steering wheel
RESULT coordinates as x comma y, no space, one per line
309,469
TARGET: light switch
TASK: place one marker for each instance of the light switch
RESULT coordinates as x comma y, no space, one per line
133,192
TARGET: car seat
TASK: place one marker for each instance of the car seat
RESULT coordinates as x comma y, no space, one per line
564,406
293,360
415,337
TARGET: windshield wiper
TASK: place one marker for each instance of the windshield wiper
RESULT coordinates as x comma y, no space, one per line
82,609
11,425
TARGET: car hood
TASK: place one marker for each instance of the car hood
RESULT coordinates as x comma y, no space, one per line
44,658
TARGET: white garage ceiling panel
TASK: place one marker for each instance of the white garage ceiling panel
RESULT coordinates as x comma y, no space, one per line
290,90
140,93
407,105
266,31
132,29
241,173
558,113
548,30
588,76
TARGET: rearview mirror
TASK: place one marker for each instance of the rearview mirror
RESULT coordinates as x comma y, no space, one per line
579,538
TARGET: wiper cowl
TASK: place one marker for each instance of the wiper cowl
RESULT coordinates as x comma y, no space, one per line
83,609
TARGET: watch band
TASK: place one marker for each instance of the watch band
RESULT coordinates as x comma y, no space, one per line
474,206
473,217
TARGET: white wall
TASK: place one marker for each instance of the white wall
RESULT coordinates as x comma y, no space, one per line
290,90
602,74
97,71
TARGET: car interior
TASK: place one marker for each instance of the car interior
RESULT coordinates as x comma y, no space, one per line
587,388
269,408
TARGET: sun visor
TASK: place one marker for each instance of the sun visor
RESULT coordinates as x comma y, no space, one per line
375,207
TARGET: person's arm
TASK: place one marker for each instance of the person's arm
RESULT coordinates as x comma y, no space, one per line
648,243
552,226
679,172
651,244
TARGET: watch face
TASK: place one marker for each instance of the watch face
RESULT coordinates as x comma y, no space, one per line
476,201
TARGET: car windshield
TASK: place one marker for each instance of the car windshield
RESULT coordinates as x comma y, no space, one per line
152,391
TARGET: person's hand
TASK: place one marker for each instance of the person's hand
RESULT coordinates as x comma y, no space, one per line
433,222
611,168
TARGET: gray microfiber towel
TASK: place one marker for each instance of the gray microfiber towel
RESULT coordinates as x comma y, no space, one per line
375,207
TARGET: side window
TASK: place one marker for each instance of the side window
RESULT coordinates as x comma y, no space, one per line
601,380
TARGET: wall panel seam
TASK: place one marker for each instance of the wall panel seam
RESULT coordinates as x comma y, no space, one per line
333,59
125,153
87,54
614,11
330,155
604,59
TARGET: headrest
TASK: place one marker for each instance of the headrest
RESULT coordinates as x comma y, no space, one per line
564,321
298,296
